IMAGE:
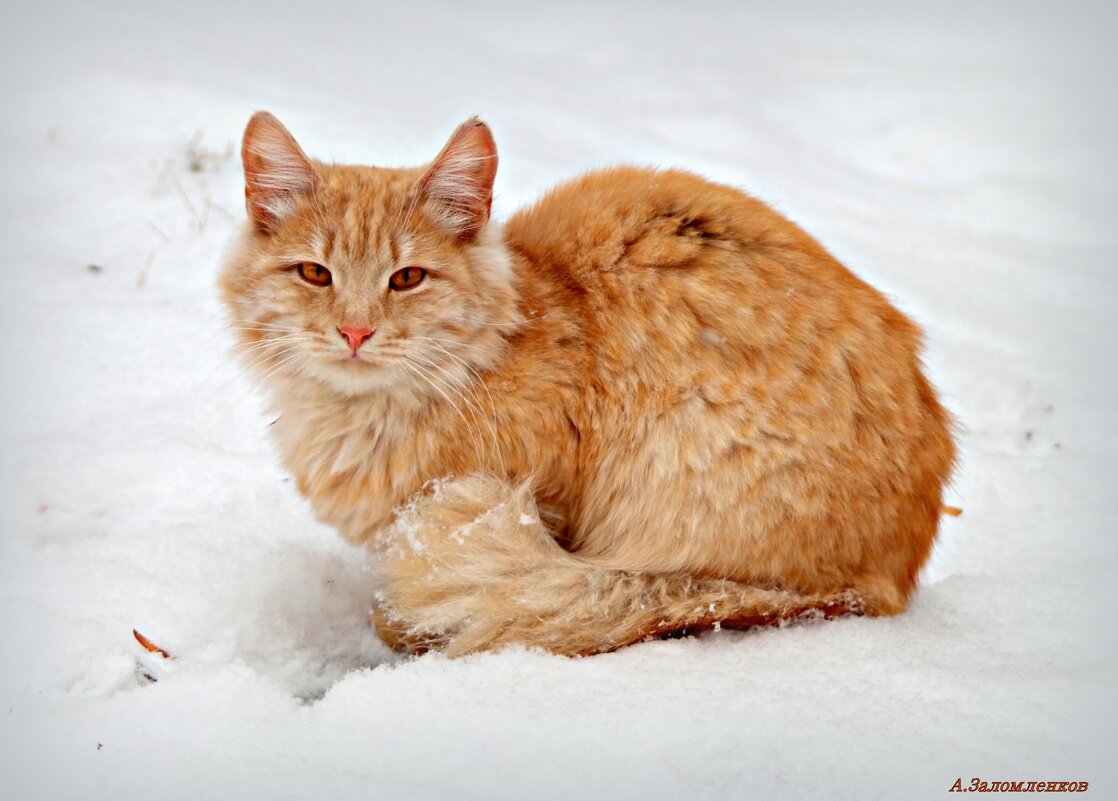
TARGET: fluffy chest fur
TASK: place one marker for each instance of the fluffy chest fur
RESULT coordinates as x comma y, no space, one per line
354,458
357,459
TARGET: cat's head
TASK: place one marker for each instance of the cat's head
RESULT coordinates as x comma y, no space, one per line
365,279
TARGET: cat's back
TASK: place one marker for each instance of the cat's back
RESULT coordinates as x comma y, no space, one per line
629,235
678,276
632,217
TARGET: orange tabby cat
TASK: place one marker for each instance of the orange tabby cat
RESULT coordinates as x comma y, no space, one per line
647,403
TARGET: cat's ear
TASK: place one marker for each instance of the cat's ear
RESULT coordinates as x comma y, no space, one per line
458,186
276,170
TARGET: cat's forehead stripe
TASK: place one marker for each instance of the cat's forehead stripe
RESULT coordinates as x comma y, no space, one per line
362,226
362,211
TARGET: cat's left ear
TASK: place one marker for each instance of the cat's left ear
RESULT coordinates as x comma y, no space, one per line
276,170
458,186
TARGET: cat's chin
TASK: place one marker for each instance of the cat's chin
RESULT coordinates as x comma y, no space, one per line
352,378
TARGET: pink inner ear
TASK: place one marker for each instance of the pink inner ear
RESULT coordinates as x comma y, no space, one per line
459,183
276,170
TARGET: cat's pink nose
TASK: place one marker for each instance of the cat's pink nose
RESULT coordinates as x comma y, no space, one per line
355,335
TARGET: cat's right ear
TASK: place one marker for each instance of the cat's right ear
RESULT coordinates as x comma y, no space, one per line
276,170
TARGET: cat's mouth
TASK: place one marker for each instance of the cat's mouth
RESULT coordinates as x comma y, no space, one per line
356,361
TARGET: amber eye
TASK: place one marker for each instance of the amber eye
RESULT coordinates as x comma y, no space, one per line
407,278
314,273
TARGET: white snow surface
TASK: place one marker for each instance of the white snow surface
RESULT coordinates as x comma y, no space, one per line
958,156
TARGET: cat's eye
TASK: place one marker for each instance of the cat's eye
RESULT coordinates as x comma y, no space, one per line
407,278
314,273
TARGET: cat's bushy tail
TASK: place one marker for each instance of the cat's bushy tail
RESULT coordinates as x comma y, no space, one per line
468,566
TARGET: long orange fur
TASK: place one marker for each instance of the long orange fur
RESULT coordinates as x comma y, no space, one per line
646,403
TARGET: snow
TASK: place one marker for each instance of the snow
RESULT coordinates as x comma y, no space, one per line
958,156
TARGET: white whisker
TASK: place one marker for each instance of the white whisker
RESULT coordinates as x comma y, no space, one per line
479,381
429,378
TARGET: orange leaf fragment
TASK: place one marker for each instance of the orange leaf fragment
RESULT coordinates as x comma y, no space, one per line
149,645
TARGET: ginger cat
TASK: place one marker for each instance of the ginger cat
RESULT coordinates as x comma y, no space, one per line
647,403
